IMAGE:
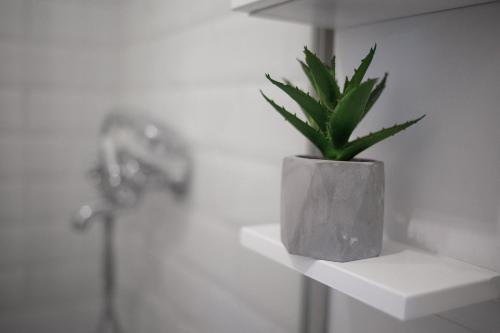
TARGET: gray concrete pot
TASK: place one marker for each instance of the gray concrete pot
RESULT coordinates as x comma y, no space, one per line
332,210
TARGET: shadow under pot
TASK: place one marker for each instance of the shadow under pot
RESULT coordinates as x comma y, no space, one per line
332,210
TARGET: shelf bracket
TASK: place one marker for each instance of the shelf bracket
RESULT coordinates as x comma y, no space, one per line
315,299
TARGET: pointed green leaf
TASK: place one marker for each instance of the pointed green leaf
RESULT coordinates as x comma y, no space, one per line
346,85
310,133
332,73
307,71
359,73
324,82
375,94
357,146
332,66
349,113
312,108
309,119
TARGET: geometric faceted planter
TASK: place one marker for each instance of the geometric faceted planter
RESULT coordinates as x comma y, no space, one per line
332,210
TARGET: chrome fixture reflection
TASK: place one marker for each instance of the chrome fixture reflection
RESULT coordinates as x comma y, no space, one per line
136,154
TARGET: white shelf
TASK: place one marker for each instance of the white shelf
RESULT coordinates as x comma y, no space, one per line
403,282
345,13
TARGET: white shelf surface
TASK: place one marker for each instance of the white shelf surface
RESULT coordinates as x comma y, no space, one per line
345,13
403,282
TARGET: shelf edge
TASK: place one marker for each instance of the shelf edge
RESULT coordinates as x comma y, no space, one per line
395,304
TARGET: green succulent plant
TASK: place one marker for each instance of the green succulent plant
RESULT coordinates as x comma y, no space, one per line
332,117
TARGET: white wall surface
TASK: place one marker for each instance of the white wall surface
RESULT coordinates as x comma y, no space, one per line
199,68
443,189
57,77
63,64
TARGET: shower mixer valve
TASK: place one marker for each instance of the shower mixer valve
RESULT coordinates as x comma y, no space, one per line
136,154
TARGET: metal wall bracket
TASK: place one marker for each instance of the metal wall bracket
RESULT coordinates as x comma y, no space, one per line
315,299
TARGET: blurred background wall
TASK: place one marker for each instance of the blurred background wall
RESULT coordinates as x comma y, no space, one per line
198,67
58,75
442,177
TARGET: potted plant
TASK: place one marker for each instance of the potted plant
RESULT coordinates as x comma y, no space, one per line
332,207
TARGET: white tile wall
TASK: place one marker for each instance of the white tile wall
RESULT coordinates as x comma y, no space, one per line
71,112
57,77
199,68
442,189
10,60
12,25
200,72
79,317
12,288
68,67
156,315
12,248
209,62
11,116
209,306
93,23
60,284
12,201
11,164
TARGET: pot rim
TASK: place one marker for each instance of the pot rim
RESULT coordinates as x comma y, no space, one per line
313,158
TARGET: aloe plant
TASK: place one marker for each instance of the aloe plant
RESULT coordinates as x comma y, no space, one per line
333,116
